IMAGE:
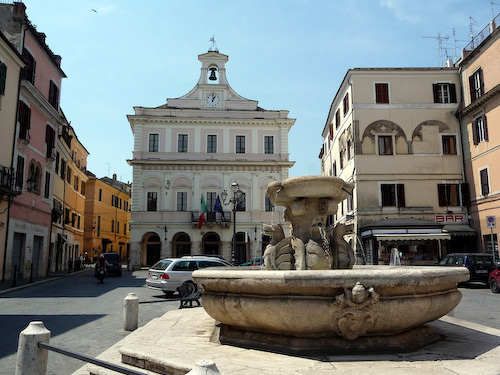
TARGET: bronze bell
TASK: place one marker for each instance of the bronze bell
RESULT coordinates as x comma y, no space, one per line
212,77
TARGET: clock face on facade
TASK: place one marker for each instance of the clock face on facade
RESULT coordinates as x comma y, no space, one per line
212,100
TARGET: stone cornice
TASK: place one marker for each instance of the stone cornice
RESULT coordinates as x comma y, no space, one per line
494,92
35,97
215,120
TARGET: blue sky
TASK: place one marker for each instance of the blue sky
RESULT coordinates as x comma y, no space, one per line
288,55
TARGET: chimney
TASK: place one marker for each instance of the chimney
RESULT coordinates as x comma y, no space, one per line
19,11
57,60
114,176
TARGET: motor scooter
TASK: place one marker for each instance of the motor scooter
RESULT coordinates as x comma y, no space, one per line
100,273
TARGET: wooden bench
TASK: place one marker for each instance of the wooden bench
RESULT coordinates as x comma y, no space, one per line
189,293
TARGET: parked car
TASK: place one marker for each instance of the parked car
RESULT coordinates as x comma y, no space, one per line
168,274
494,280
113,263
479,264
259,261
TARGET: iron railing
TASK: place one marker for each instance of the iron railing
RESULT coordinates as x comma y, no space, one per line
88,359
483,34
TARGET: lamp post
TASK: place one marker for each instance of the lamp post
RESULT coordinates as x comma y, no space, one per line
237,197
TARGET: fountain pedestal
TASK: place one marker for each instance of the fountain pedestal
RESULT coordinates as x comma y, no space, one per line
365,309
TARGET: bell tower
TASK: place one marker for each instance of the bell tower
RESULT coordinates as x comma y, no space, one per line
213,66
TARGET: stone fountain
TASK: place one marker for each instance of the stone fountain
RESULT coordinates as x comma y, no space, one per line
310,298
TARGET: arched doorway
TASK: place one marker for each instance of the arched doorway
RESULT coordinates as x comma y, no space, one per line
240,253
152,247
211,243
181,245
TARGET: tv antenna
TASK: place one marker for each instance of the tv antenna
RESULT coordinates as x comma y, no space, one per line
493,9
472,23
440,40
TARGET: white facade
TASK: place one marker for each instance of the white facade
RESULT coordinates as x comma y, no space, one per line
199,145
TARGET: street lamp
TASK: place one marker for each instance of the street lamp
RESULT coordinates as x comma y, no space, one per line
237,198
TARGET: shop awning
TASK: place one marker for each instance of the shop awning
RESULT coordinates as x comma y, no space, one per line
412,236
459,230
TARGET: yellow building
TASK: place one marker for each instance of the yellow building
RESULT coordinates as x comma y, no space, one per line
480,119
107,217
69,200
10,66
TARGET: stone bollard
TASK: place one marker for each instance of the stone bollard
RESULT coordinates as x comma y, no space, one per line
131,312
204,367
32,360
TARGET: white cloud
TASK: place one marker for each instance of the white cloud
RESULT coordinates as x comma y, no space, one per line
406,10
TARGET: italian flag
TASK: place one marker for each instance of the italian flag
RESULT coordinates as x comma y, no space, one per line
203,209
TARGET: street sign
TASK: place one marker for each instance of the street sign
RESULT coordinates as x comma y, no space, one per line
491,221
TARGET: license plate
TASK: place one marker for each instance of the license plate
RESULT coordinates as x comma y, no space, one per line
154,277
101,272
481,271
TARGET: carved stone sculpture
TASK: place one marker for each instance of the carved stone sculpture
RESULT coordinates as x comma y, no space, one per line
308,201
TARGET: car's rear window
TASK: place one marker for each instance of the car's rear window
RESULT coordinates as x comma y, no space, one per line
209,263
161,265
483,260
111,257
185,265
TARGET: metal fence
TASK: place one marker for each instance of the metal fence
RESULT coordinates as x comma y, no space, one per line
481,36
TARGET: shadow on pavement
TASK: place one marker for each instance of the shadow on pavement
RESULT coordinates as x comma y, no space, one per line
56,324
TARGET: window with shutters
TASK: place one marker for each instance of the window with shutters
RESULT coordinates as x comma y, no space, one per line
182,144
20,172
346,104
449,195
28,72
449,144
153,142
24,117
242,203
3,77
393,195
444,93
337,119
479,130
269,207
212,143
152,201
385,146
50,139
181,201
476,85
381,93
54,95
269,144
46,190
484,180
240,144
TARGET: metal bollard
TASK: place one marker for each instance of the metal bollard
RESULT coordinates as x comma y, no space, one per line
204,367
32,360
131,312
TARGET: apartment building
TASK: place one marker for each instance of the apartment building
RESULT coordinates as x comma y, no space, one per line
393,132
68,209
480,123
107,217
201,165
28,238
11,64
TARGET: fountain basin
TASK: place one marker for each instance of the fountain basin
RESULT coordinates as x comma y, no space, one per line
367,308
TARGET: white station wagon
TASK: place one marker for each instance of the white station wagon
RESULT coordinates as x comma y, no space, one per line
168,274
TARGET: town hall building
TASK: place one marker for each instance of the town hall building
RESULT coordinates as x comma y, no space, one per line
201,166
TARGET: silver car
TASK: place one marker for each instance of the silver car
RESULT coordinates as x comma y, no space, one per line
168,274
